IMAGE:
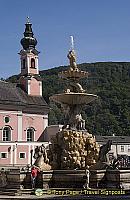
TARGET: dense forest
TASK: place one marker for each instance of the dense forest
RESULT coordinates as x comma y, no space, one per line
110,113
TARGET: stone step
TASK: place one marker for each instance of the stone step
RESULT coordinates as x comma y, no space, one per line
13,186
8,192
26,191
13,192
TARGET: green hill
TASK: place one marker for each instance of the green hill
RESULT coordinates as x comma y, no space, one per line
110,113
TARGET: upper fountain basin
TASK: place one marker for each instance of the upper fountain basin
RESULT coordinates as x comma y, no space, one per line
72,98
73,74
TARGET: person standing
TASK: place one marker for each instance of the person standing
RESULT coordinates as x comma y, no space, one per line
34,173
87,172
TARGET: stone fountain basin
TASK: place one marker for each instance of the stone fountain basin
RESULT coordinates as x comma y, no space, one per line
72,98
73,74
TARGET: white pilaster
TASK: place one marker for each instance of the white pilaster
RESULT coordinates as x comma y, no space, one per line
40,83
20,125
28,85
11,155
28,64
29,154
15,154
33,148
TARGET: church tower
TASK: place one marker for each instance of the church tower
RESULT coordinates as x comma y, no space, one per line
30,79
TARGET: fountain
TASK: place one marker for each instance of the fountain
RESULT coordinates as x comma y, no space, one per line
72,149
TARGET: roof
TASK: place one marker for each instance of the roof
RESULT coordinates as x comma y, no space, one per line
115,139
12,94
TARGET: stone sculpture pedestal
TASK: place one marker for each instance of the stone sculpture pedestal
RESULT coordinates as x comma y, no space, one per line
63,179
110,179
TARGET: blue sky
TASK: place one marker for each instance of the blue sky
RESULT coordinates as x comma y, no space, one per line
101,30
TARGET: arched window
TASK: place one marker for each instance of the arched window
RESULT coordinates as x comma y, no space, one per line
30,134
7,134
32,63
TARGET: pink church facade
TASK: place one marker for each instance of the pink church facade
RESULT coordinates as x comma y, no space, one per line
23,110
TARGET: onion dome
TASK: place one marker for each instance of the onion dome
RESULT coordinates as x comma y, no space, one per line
28,42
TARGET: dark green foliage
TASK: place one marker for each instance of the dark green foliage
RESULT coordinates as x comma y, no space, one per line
110,113
14,78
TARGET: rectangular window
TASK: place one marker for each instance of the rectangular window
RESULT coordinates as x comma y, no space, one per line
128,148
122,148
22,155
3,155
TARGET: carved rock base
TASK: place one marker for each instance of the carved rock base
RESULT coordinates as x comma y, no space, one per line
72,149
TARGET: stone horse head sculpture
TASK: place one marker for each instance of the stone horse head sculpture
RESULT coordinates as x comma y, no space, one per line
40,155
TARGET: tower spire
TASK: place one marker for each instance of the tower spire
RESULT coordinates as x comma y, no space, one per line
28,41
30,78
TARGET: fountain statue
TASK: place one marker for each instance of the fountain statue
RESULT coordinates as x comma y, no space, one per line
42,160
73,147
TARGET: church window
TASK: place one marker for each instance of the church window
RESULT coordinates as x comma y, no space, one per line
6,134
7,119
30,135
32,63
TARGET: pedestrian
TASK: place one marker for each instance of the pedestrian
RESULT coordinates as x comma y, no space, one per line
87,172
34,173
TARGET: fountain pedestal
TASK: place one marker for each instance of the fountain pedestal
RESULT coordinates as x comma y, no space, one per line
71,149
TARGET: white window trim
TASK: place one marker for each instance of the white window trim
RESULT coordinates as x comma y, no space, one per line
10,133
24,154
1,154
34,133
